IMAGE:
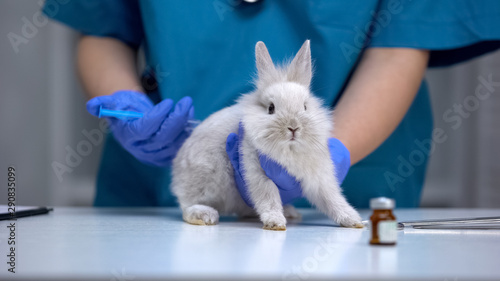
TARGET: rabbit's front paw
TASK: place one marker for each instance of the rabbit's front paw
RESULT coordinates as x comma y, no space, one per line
201,215
291,213
273,221
349,218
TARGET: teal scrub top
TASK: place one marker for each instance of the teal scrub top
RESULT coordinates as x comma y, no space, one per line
205,49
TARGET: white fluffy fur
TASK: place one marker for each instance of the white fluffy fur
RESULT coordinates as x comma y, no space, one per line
203,178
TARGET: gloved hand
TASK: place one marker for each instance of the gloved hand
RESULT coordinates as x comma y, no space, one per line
289,188
153,139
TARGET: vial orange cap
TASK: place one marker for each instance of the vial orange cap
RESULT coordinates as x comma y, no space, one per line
382,203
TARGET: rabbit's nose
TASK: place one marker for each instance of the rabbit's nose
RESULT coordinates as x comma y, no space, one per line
293,130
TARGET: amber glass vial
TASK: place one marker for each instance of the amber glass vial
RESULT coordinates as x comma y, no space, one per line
383,223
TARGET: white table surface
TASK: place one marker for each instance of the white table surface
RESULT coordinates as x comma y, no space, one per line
154,244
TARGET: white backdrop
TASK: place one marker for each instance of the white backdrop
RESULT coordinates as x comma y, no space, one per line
42,117
465,170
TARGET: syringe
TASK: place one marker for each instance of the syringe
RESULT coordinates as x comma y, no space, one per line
128,115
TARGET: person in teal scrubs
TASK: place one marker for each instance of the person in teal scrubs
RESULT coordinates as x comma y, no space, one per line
369,57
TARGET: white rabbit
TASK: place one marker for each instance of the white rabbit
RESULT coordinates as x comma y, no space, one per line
282,120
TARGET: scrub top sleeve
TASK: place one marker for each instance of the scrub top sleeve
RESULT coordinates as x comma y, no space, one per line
120,19
453,30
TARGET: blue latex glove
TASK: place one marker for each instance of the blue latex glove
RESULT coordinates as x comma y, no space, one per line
289,188
153,139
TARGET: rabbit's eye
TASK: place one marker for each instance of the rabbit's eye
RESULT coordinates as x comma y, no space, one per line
271,108
305,107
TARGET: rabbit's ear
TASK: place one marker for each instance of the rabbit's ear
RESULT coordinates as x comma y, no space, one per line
300,70
265,66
